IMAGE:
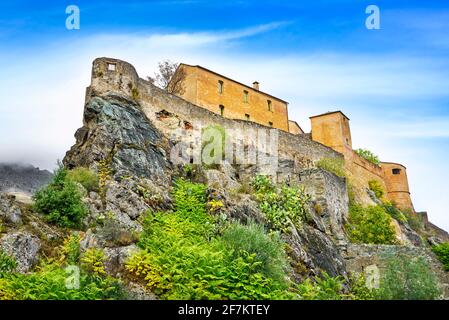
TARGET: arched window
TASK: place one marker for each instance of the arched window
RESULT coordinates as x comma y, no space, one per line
222,110
220,86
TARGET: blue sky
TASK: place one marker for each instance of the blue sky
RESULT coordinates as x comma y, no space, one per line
393,83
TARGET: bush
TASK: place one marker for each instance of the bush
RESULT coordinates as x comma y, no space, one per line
289,204
268,249
370,225
442,252
377,188
183,257
7,264
61,201
87,178
50,283
93,261
368,155
333,165
414,221
407,278
324,287
394,212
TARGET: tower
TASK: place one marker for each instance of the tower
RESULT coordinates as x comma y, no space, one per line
395,177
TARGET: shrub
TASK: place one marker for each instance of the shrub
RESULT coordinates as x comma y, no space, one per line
333,165
359,290
283,207
87,178
7,264
377,188
394,212
368,155
70,251
442,252
407,278
414,221
93,261
262,184
182,256
268,249
61,201
324,287
370,225
50,283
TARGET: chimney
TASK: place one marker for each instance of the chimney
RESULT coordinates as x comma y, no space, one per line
256,85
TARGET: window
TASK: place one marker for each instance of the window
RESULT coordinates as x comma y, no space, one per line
269,105
221,110
270,124
220,86
111,66
247,116
396,171
245,96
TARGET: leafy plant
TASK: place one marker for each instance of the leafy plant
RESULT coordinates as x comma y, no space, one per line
407,278
7,263
323,287
183,257
281,207
377,188
370,224
268,249
93,261
414,221
333,165
61,201
394,212
70,251
87,178
442,252
368,155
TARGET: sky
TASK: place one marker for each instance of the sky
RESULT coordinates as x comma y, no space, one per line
393,83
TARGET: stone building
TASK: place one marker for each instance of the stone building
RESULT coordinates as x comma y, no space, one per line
234,100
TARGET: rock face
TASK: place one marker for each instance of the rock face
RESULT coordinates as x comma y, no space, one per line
117,132
23,247
24,178
9,211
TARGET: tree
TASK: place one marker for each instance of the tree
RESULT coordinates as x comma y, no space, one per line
169,77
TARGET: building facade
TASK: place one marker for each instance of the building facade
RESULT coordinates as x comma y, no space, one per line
234,100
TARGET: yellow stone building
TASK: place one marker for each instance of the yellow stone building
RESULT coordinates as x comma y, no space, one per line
233,99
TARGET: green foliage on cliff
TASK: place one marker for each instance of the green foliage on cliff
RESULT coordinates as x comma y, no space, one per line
183,256
377,188
368,155
407,278
370,225
394,212
324,287
61,201
87,178
7,263
333,165
442,252
281,207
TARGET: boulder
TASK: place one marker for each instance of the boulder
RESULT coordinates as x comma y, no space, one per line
9,211
23,247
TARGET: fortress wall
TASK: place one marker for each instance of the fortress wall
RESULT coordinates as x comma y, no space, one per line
299,148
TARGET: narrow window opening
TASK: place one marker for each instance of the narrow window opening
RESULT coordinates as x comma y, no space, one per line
247,116
220,86
270,124
396,171
245,96
222,110
269,105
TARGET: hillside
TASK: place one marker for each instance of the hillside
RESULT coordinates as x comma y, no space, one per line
22,178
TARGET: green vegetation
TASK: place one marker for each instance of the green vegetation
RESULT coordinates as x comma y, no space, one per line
394,212
61,201
93,261
368,155
370,225
281,207
414,221
87,178
377,188
61,279
407,278
268,249
323,287
183,257
442,252
7,264
334,165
